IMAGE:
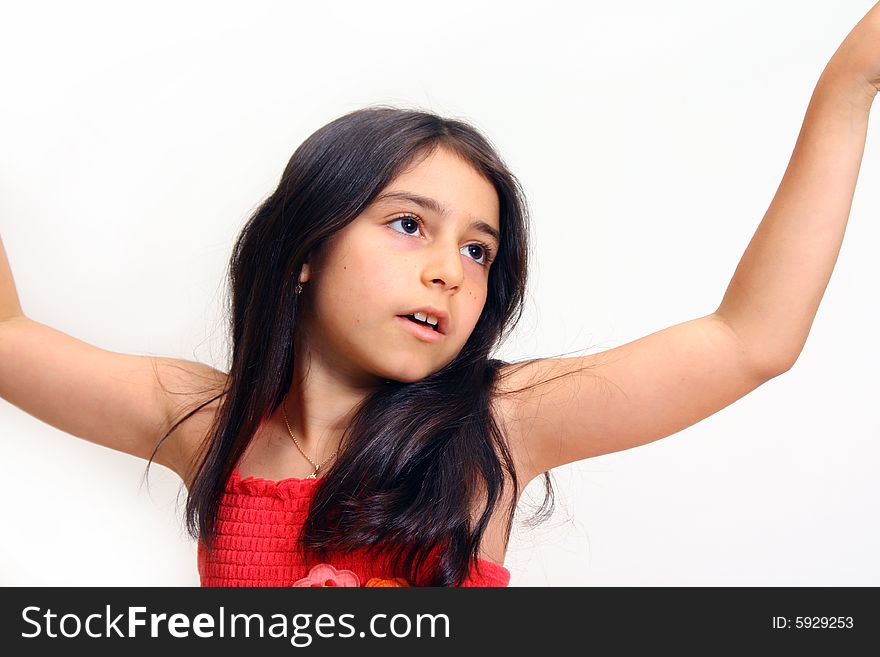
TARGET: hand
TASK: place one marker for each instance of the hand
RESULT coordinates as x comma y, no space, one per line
857,59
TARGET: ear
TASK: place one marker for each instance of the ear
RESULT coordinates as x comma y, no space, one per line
304,273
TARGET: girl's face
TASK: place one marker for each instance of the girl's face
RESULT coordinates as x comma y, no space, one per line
398,256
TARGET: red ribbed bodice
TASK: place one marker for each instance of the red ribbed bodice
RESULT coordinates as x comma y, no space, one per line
258,524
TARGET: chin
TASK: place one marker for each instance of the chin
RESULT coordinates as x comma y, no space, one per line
407,374
411,378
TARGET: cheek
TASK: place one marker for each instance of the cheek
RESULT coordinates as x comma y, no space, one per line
373,281
477,298
364,288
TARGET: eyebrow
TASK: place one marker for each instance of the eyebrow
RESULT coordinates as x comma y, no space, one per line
438,208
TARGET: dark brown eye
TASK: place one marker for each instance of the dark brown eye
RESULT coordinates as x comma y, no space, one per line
415,222
409,219
486,255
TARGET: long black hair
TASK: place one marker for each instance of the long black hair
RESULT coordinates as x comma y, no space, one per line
416,456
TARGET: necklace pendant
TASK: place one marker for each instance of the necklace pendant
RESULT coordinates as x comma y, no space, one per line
313,475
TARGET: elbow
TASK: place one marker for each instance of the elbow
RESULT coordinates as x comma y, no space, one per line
769,358
771,368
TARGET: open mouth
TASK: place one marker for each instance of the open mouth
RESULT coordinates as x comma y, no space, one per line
420,323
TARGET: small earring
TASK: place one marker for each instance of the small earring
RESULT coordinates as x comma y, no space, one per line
298,289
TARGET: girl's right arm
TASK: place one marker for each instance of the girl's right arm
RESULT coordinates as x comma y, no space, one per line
107,398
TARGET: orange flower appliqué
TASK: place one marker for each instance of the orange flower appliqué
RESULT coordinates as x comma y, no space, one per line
326,575
394,581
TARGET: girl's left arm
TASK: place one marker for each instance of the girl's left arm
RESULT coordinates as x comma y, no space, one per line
661,383
775,291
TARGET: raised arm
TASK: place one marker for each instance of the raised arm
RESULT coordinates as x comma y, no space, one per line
774,294
662,383
124,402
10,306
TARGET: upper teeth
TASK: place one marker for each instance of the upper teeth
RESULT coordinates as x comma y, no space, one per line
423,317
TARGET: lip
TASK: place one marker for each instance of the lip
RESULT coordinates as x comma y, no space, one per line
422,333
441,315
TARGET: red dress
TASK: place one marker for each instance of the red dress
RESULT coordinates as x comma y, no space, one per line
258,523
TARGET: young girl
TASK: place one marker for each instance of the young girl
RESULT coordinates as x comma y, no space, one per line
362,435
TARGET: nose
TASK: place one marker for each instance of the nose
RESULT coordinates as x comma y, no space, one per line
444,266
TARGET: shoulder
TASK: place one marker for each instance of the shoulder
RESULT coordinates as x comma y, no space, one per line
509,399
525,395
196,403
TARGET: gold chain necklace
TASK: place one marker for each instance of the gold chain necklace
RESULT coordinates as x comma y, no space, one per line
314,475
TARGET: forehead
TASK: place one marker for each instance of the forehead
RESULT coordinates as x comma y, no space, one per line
447,185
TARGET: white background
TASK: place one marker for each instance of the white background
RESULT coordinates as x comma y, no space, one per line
650,139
